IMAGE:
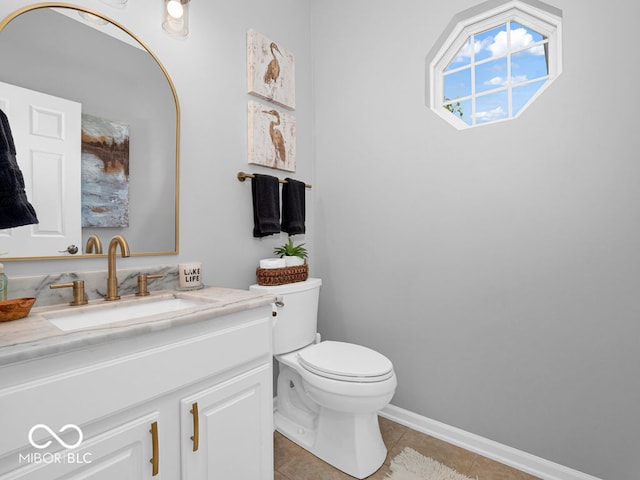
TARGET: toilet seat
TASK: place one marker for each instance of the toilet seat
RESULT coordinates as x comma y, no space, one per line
346,362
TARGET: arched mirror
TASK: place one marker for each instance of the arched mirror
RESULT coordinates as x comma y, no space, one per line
117,172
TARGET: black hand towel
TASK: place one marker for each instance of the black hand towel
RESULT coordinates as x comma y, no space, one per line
266,205
15,209
293,207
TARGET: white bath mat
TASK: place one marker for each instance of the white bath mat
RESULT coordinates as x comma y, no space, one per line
411,465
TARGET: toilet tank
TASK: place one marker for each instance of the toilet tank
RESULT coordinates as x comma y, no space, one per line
297,321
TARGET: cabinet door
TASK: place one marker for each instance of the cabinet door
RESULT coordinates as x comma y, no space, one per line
122,452
227,430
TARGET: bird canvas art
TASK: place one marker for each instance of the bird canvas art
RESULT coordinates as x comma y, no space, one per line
272,137
270,70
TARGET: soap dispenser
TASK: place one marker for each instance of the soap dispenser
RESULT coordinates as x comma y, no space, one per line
4,283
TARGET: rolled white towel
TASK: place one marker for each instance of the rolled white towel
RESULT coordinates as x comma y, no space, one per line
273,263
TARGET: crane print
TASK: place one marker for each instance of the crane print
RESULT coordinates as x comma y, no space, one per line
273,69
271,137
276,136
270,70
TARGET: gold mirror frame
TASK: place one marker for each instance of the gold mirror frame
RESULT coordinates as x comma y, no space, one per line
37,6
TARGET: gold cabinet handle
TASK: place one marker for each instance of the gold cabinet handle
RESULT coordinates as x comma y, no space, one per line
196,426
154,439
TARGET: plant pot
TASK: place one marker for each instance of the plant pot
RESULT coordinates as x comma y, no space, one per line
292,261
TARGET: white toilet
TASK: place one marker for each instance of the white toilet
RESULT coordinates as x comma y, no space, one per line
329,392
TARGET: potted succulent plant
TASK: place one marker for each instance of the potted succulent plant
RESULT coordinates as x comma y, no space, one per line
293,254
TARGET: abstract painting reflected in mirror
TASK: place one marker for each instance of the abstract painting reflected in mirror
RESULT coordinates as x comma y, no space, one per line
105,172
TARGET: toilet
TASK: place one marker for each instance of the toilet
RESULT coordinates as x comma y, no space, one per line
328,393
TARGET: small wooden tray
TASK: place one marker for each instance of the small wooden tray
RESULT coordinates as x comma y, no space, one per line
15,308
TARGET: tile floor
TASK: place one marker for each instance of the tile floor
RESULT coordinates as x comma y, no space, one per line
293,463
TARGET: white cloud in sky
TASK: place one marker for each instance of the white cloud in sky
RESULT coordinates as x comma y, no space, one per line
502,81
520,38
465,52
497,45
496,81
491,115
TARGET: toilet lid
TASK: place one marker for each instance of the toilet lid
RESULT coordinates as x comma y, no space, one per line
346,362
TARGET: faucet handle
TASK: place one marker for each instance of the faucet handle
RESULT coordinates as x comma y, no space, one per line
79,297
142,283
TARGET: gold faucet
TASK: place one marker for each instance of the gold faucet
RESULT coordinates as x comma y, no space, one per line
79,297
93,243
143,286
112,281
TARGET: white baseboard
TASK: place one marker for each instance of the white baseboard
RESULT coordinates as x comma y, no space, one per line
517,459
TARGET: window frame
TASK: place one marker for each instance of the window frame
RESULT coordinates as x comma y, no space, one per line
533,15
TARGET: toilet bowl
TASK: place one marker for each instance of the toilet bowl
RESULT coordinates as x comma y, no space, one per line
334,418
328,393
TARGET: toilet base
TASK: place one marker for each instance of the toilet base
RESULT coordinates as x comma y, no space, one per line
350,442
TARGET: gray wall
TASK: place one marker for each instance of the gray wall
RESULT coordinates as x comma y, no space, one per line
497,267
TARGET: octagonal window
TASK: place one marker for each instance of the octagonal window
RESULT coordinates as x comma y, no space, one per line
493,65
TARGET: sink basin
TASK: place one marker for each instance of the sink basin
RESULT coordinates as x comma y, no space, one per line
102,314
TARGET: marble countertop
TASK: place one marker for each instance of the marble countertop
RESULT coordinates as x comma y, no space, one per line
34,336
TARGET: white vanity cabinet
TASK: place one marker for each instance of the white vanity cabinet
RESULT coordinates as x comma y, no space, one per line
225,425
120,452
208,382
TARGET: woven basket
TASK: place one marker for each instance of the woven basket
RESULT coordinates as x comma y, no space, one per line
281,276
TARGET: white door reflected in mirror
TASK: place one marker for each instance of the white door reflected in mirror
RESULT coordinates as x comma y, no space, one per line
46,132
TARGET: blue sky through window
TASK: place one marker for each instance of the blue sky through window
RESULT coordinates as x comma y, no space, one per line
499,70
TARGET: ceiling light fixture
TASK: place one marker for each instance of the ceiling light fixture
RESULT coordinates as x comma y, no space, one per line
176,17
91,18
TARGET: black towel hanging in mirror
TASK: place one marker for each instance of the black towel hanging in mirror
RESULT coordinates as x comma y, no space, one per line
15,209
